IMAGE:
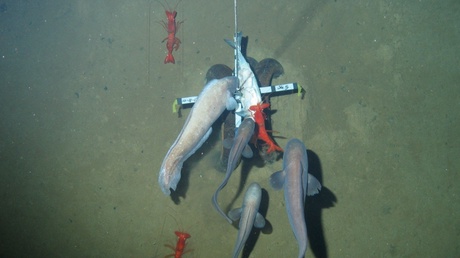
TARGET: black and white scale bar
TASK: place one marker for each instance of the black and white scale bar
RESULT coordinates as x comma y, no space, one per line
282,88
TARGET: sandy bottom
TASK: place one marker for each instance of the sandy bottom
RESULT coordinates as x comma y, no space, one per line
87,119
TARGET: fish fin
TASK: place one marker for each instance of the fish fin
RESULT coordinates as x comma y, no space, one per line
277,179
314,186
235,214
247,152
230,43
259,222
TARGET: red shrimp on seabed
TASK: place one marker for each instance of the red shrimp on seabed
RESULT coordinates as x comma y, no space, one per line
171,26
180,245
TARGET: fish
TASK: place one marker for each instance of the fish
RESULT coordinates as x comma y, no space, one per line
248,215
216,96
251,98
267,69
297,184
249,88
228,132
239,147
219,71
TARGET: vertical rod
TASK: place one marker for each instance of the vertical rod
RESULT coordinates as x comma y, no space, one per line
238,118
235,39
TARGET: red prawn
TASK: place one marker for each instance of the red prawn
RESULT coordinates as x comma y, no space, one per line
180,246
172,42
261,132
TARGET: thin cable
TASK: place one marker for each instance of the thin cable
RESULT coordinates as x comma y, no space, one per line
235,38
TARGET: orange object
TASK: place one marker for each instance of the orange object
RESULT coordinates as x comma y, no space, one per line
171,27
261,132
180,246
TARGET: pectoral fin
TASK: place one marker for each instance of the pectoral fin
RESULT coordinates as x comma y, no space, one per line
259,222
277,179
313,185
235,214
247,152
